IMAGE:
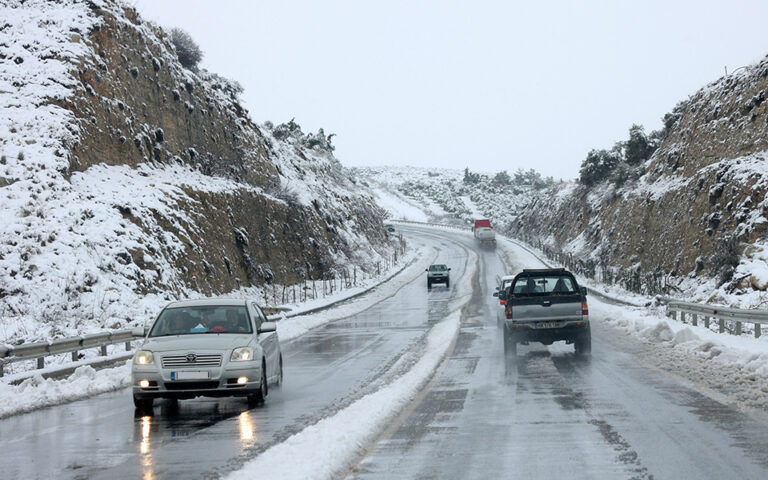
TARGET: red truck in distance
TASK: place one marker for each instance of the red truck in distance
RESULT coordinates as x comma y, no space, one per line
484,232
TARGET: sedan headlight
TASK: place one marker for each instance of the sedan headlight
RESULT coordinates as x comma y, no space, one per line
144,357
241,354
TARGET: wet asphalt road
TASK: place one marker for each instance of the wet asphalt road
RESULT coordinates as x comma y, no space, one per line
325,370
544,414
549,414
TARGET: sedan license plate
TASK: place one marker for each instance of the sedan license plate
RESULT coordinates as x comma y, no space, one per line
194,375
548,325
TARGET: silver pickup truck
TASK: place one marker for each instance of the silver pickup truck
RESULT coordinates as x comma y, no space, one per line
546,305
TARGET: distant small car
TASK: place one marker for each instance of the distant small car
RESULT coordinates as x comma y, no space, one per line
208,347
390,228
438,273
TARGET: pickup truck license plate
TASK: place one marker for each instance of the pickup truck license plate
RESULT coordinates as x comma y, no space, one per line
548,325
194,375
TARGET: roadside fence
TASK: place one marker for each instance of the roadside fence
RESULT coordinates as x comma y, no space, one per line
73,345
330,283
729,319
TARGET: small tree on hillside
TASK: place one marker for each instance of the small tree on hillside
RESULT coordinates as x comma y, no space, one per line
188,51
637,149
598,166
502,178
531,178
471,178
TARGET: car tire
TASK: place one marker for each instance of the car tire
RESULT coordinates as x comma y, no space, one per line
510,343
280,372
447,284
258,398
583,344
143,404
429,285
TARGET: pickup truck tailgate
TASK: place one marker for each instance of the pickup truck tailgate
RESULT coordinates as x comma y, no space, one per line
549,308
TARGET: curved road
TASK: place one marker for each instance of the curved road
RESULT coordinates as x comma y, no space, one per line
542,414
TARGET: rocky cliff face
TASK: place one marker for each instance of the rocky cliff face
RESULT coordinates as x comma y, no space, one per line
125,177
699,210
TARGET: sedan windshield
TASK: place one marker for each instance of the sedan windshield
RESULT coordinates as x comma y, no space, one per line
199,320
437,268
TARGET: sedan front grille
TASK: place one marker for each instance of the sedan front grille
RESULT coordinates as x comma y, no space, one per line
191,360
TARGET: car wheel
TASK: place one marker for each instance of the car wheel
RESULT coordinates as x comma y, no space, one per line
259,397
447,284
583,344
143,404
280,372
510,343
429,285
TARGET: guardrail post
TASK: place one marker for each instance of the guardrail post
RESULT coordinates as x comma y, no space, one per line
682,317
74,356
722,325
706,322
694,320
41,362
757,330
127,346
103,350
738,328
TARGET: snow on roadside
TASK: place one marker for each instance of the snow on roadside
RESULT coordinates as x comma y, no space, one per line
37,392
346,434
733,366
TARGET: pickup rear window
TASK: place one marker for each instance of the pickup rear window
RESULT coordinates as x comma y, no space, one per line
553,284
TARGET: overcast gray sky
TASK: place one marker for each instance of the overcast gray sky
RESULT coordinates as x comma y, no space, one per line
492,85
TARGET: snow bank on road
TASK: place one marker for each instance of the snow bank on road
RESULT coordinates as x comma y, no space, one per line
735,367
326,449
37,392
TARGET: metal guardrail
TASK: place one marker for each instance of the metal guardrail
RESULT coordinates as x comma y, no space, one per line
73,345
721,314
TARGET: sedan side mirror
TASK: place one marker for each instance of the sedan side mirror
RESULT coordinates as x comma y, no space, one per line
584,291
449,269
267,327
139,332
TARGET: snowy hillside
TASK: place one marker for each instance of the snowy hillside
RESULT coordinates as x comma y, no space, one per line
449,196
115,201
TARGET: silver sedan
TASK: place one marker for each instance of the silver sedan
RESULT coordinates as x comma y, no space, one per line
209,347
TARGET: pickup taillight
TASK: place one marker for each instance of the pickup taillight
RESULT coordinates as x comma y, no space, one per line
584,309
508,310
502,302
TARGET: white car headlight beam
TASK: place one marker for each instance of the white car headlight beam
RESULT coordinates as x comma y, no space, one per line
144,357
241,354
